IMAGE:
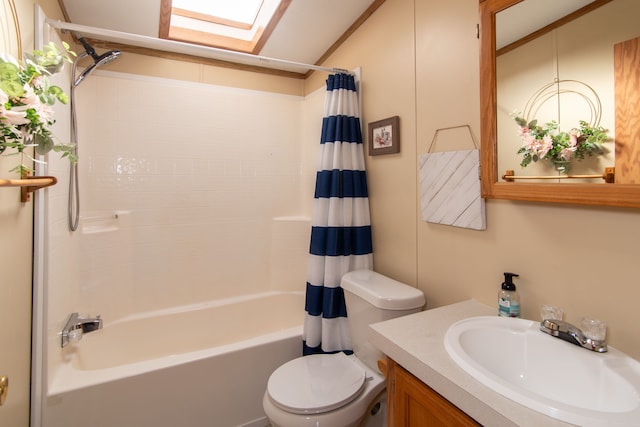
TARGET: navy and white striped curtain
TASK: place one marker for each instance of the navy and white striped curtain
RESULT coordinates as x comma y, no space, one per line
341,225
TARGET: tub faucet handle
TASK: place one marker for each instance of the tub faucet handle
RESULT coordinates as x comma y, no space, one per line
77,326
74,335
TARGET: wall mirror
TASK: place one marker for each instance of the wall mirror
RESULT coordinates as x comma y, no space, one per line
587,55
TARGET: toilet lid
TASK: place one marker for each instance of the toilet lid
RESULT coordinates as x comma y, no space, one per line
317,383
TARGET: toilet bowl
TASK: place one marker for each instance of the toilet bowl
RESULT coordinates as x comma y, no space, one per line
324,390
339,390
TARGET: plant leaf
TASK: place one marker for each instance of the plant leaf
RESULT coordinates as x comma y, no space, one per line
44,144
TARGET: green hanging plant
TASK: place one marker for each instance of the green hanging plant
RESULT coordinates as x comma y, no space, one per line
26,104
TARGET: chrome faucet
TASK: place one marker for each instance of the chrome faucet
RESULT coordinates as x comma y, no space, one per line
568,332
76,326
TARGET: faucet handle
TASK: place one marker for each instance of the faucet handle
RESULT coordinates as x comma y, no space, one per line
551,312
594,329
74,335
77,325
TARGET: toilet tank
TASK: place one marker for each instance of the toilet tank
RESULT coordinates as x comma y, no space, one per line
370,298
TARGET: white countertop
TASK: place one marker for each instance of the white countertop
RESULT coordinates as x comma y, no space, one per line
417,343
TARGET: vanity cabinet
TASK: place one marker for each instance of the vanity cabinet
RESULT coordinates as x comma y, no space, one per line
414,404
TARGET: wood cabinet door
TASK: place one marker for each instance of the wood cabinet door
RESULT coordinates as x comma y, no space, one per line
414,404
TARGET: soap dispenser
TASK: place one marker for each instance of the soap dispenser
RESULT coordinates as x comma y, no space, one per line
508,298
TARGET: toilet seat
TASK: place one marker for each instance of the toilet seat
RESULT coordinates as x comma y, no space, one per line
317,383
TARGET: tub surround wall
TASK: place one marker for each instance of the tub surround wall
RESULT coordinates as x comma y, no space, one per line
195,174
289,252
190,192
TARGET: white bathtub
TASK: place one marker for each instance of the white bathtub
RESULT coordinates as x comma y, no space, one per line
204,365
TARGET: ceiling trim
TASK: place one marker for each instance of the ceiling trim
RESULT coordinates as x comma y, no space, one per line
352,29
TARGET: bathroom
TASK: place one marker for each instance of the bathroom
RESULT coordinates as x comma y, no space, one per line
577,257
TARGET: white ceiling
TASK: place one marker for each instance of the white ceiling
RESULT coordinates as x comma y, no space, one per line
305,32
526,17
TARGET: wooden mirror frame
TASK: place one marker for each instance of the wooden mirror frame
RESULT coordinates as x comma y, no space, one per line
624,195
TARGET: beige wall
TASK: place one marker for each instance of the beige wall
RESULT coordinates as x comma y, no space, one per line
420,61
15,299
385,49
157,67
16,221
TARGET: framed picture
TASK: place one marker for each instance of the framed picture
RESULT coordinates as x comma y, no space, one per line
384,136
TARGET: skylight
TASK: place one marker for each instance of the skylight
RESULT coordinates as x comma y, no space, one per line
242,12
241,25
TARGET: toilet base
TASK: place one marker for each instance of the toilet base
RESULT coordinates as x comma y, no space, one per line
375,416
363,411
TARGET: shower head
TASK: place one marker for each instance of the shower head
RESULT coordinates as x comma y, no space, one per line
98,61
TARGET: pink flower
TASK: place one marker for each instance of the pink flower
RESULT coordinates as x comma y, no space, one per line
573,138
567,153
45,112
29,98
529,142
545,146
38,82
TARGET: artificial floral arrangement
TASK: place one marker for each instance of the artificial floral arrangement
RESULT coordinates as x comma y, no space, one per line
548,143
26,100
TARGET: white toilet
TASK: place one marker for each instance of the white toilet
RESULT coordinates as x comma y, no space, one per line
336,390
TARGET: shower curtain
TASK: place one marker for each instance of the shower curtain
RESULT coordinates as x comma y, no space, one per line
341,226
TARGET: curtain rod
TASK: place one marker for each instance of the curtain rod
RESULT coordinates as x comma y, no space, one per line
185,48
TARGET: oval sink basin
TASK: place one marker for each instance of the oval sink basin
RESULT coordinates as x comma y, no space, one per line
514,358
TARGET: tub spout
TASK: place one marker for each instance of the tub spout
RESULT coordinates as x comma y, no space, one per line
76,326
